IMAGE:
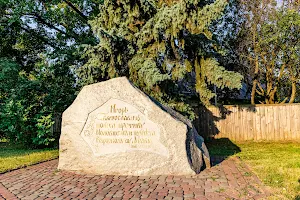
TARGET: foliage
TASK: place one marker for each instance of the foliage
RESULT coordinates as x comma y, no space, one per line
166,48
288,37
46,31
269,42
226,33
28,102
44,134
40,47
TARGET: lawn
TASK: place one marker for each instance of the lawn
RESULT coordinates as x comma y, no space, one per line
276,164
14,157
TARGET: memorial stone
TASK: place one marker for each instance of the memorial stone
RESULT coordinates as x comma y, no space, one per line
114,128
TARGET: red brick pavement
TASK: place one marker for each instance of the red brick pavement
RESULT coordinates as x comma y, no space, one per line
231,179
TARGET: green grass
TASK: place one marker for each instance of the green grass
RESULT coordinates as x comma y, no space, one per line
276,164
14,157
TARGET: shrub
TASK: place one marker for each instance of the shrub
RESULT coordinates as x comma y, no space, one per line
27,105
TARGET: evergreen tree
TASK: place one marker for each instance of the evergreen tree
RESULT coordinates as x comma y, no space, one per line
166,48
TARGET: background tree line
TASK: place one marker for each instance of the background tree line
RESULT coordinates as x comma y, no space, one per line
177,51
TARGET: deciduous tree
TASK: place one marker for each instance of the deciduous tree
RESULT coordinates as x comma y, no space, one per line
40,45
269,42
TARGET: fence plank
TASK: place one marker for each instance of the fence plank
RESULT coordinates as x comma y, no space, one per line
276,123
257,125
270,122
297,121
251,127
281,122
263,123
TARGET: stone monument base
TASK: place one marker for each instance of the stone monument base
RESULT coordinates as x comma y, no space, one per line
114,128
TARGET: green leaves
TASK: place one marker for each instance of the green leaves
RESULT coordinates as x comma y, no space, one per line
271,44
41,42
28,101
44,134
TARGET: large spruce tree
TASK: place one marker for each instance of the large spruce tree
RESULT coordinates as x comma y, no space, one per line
166,48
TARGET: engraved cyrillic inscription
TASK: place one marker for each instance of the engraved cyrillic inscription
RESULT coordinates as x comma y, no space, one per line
117,127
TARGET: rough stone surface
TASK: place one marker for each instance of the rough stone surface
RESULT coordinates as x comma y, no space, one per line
114,128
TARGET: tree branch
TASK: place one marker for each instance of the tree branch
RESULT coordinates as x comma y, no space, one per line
30,31
260,93
280,73
43,21
260,87
284,100
76,10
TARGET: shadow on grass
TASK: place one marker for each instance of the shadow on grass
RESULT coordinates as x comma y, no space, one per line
220,149
205,123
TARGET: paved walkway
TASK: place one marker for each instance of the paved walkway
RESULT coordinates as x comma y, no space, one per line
230,179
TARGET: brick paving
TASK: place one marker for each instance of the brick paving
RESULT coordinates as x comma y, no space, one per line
230,179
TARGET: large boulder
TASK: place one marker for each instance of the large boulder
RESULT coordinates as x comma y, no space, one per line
114,128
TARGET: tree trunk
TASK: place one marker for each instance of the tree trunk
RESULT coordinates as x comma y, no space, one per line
253,92
272,94
255,80
293,95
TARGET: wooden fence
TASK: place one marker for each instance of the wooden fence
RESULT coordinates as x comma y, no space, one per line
56,127
247,122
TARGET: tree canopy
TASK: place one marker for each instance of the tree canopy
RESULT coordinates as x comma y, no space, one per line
166,48
269,43
40,45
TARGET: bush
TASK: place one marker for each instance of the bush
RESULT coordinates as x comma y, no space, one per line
27,106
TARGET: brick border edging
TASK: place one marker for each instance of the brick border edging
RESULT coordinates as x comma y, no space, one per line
6,194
